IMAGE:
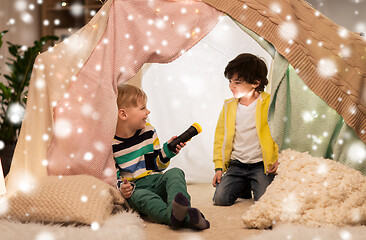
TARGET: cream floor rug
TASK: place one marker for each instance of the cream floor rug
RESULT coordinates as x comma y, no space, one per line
226,224
122,226
295,232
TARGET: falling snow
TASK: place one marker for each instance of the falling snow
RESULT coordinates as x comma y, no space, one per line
322,169
327,67
343,33
288,30
86,109
95,226
63,128
45,236
84,198
345,235
345,51
108,172
307,116
15,113
88,156
357,152
77,9
275,7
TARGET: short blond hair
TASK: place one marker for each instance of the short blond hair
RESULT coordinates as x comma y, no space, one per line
129,95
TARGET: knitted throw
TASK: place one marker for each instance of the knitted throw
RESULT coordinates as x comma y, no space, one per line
330,59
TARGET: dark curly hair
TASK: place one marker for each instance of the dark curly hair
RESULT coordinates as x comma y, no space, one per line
249,68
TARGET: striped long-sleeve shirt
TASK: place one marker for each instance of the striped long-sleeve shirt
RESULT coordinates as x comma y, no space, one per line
140,155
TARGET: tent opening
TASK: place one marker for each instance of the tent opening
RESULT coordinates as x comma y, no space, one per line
193,89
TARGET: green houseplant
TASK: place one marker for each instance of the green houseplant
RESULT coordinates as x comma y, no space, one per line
14,89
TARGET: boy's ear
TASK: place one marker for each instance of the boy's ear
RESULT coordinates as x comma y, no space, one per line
122,114
257,83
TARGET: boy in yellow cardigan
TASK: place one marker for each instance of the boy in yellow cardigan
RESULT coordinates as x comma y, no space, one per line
244,149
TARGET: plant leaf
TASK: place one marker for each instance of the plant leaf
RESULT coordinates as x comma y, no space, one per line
1,37
5,92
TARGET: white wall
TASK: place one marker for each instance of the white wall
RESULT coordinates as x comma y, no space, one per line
347,13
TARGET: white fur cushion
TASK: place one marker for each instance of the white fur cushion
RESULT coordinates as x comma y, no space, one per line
79,198
311,191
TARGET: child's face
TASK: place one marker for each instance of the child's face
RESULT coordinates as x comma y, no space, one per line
239,87
136,117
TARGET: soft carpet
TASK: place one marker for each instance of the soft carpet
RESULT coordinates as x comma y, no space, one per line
226,224
122,226
297,232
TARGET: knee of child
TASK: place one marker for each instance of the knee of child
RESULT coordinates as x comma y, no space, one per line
175,172
221,199
139,193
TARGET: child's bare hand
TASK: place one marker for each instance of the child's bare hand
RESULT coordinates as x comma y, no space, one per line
217,178
178,147
126,188
274,167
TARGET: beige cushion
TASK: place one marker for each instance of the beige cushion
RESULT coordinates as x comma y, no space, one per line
79,198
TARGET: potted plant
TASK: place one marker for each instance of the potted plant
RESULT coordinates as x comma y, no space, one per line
13,93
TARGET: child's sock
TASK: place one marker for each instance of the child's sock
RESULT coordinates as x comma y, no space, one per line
179,210
197,220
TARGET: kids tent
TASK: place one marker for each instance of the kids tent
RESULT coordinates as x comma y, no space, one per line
71,112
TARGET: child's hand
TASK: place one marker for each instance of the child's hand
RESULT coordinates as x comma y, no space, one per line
126,188
217,177
178,147
274,167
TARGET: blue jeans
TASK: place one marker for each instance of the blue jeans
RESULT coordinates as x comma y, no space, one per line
239,181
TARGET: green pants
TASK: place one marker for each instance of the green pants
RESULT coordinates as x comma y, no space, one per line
154,194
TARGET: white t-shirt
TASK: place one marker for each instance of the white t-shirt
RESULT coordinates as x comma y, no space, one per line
246,147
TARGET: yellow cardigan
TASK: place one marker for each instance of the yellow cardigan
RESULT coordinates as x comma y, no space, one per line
225,131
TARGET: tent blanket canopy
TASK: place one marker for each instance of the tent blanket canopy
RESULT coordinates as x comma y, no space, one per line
330,59
71,112
79,77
